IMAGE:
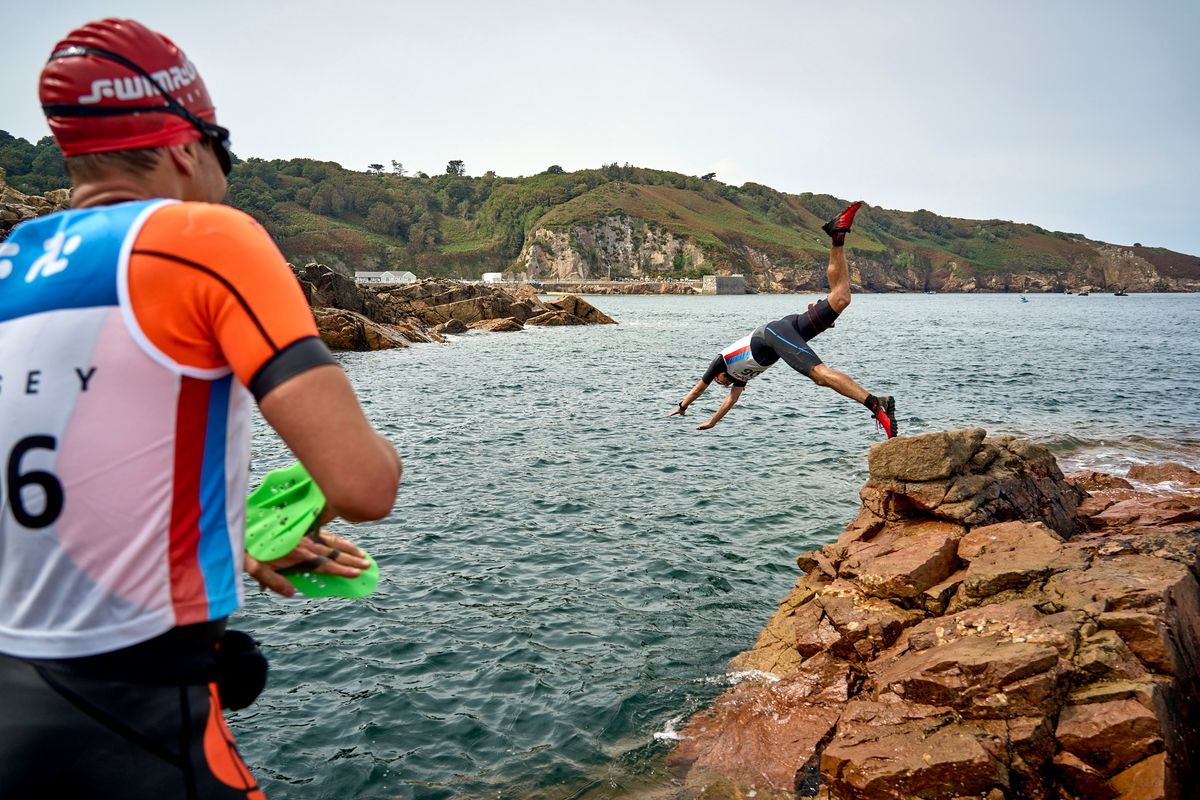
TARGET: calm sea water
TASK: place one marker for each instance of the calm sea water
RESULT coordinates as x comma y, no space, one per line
567,571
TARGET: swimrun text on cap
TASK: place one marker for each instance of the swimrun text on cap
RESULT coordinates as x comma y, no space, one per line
93,108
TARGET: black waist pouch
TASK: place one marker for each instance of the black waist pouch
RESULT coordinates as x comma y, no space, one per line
194,655
241,670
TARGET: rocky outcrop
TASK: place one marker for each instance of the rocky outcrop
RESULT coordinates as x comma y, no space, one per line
348,330
16,207
384,316
501,325
984,628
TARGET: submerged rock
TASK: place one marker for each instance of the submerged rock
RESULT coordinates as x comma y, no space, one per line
1170,471
1003,634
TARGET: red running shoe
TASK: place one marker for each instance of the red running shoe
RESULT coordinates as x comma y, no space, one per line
842,222
885,415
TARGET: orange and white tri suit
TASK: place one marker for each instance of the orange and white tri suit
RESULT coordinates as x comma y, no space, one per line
132,337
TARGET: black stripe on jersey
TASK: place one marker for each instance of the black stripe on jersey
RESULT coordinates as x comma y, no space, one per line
209,271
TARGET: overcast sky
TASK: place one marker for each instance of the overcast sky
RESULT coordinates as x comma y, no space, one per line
1081,116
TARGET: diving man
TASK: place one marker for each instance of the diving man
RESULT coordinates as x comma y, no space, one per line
787,339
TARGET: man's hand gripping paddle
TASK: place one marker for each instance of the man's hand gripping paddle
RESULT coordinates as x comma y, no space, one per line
285,508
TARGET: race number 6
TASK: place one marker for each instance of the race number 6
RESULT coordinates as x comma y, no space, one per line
16,482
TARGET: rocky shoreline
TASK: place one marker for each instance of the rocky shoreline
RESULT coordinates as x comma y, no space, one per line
984,628
353,316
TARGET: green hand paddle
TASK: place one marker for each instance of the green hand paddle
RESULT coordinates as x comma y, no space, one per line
283,510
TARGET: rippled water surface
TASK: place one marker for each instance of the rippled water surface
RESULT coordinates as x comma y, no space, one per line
567,571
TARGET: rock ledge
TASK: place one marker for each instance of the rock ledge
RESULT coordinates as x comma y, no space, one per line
984,628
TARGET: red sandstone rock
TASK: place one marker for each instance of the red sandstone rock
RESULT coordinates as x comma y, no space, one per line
1081,779
1121,583
865,625
1052,639
814,632
1103,656
1169,471
1149,779
816,561
1150,691
1092,481
1002,479
776,650
762,735
1146,635
1018,621
890,751
1150,511
1109,736
1012,555
979,676
903,560
863,528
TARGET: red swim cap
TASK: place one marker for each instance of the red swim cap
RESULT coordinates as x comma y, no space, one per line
96,104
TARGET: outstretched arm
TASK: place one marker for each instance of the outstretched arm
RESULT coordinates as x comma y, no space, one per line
734,395
689,398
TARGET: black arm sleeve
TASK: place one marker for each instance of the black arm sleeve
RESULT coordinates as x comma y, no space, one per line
300,356
716,368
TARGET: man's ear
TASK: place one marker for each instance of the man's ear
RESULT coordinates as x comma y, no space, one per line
186,157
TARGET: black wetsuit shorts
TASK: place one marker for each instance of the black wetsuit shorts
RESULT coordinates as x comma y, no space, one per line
128,725
788,338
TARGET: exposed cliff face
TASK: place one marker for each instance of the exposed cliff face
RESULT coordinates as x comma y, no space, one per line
627,247
16,207
622,246
984,628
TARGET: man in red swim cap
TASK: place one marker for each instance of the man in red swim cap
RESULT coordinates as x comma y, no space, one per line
136,331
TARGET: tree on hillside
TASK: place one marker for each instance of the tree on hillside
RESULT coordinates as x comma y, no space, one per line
383,219
456,168
708,177
375,169
397,168
554,169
